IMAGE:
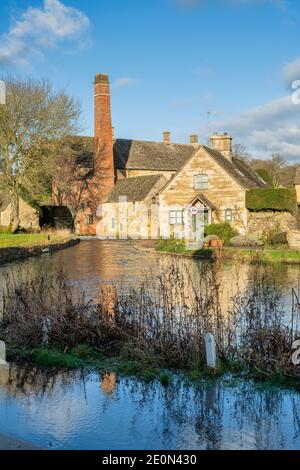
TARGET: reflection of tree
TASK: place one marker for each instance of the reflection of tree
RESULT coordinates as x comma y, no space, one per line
207,415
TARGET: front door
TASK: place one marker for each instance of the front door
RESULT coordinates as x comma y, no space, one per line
200,219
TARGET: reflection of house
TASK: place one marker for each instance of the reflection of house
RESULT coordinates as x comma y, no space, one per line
169,177
108,382
29,219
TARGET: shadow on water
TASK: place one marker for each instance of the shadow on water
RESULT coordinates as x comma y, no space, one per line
83,410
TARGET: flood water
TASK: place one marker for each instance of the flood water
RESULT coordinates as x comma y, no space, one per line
81,410
85,410
93,263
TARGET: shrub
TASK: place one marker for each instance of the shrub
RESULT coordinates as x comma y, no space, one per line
224,231
274,199
173,245
277,238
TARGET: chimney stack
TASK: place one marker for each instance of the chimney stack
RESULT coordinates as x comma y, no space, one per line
222,143
103,134
194,139
167,137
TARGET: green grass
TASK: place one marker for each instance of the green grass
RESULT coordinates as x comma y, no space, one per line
270,255
86,357
178,246
8,240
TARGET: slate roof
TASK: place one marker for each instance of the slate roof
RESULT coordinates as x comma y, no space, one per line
135,189
202,198
5,200
297,176
139,154
239,170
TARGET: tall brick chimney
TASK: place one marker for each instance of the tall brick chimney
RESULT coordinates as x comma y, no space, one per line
103,135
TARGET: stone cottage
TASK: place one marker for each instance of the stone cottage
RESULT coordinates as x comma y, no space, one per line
131,180
29,219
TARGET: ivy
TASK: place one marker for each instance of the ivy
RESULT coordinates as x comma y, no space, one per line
26,197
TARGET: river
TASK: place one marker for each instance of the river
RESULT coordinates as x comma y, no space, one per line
93,263
59,409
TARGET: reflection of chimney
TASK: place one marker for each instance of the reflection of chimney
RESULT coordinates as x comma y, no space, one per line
109,382
194,139
222,143
167,137
104,160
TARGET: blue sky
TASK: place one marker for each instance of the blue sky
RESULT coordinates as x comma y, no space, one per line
170,62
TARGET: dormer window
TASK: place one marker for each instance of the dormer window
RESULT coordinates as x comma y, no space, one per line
201,181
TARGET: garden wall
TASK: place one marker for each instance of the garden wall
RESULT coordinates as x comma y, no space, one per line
260,223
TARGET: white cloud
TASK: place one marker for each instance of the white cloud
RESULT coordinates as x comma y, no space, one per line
125,82
40,29
271,128
291,71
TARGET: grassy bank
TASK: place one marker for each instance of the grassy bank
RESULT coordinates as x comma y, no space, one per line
178,247
271,255
143,368
8,240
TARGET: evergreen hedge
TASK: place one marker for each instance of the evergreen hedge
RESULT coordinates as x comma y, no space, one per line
272,199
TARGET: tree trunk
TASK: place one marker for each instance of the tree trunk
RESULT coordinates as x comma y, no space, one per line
15,212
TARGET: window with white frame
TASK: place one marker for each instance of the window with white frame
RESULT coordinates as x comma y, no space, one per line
176,217
228,215
201,181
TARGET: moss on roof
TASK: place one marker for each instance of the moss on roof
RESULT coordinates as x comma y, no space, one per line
238,170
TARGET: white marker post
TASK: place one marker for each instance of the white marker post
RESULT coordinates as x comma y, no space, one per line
2,353
2,93
210,349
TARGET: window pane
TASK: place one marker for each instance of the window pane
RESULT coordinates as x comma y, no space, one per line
176,217
228,215
201,181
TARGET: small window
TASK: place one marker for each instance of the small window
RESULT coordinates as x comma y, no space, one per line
228,215
113,223
176,217
90,219
201,182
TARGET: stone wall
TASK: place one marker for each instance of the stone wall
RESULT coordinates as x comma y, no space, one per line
18,253
293,239
29,218
260,223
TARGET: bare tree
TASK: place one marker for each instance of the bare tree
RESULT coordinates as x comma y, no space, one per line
32,124
277,164
275,171
79,184
240,151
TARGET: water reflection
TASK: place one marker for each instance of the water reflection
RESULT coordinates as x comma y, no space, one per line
95,262
82,410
